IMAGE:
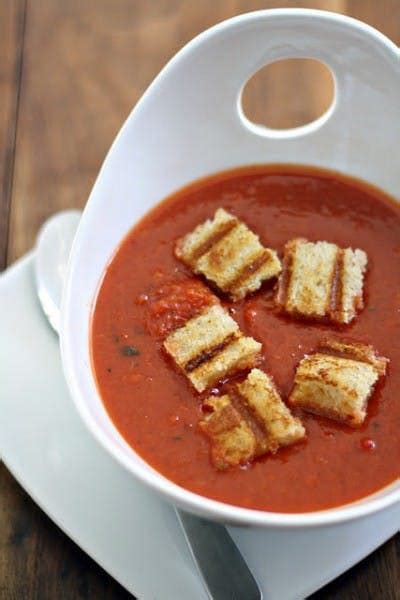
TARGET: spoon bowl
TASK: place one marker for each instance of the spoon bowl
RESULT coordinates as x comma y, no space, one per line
53,247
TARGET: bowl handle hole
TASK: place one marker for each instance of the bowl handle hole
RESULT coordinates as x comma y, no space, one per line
288,94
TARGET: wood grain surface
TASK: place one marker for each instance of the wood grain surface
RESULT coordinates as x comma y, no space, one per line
70,71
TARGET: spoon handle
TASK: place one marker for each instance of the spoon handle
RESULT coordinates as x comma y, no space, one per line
218,560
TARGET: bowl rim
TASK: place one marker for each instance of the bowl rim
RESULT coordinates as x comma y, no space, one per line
191,501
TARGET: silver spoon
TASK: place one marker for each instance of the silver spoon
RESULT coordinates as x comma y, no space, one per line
224,571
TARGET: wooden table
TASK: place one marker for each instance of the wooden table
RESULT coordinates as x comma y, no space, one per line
70,73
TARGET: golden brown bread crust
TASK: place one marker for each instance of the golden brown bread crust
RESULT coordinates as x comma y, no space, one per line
210,347
228,254
232,439
357,351
249,421
319,280
337,381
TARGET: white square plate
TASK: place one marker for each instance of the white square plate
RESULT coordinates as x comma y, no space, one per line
127,529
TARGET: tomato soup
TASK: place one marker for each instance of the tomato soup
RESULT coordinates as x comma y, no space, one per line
154,406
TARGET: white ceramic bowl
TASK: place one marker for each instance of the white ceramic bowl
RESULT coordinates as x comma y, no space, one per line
188,124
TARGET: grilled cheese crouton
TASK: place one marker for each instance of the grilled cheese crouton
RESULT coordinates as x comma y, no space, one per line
321,280
249,421
200,334
338,381
239,354
228,254
280,426
210,347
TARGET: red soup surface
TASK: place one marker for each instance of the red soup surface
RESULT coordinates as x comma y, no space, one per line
146,292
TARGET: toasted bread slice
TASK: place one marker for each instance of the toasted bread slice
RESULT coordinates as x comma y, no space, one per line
261,396
239,354
210,347
338,381
320,280
305,284
201,335
249,421
229,255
